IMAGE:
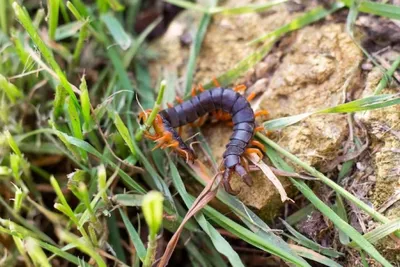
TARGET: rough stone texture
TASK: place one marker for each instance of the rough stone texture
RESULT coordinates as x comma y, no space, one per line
315,72
384,128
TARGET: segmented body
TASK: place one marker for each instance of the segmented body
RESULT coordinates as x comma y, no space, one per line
208,101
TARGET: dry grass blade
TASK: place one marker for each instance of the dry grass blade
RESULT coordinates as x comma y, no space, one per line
202,200
271,176
312,255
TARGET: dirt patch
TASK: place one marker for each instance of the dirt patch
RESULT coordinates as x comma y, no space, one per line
384,129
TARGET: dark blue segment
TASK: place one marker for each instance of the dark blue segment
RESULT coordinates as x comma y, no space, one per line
181,114
233,150
238,143
206,101
217,97
242,135
189,111
231,161
240,104
171,115
229,98
245,126
198,107
244,115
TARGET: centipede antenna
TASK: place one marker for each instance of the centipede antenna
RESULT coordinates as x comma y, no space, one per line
140,106
193,143
187,156
191,137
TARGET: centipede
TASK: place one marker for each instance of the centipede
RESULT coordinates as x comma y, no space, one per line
223,104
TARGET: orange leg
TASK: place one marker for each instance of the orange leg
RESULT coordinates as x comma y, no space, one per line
254,150
193,92
225,116
150,136
179,99
216,83
201,88
257,144
229,123
199,122
259,129
251,96
144,114
262,112
240,88
166,138
197,89
174,144
245,163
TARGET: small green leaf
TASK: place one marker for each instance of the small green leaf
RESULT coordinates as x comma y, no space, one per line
117,31
280,123
124,132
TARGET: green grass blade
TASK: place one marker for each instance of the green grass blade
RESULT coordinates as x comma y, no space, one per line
68,30
90,149
367,103
11,91
253,222
3,15
195,48
312,255
134,236
280,123
363,104
251,8
341,211
157,106
117,31
376,8
379,232
298,23
312,171
342,225
188,5
114,238
300,215
252,238
219,242
243,66
324,209
26,22
81,245
131,53
75,124
83,34
123,131
53,7
53,249
304,241
387,76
